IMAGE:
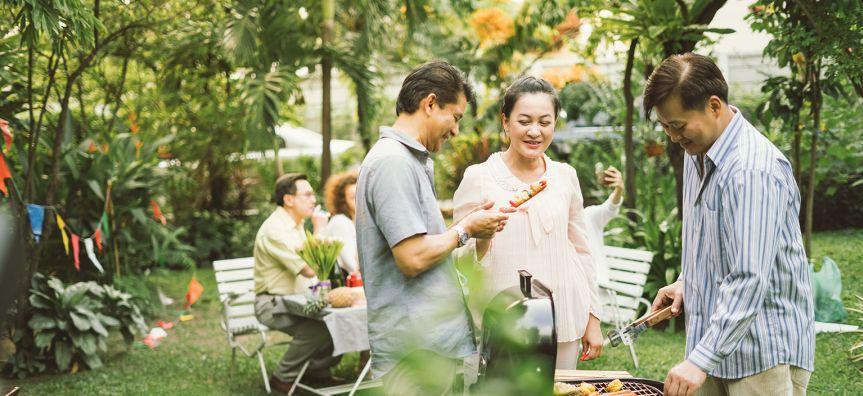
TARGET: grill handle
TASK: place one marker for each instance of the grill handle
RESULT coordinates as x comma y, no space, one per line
524,280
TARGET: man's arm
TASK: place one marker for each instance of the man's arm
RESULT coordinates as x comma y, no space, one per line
752,206
419,253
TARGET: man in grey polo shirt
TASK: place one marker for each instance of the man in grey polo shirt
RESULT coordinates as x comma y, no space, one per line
419,324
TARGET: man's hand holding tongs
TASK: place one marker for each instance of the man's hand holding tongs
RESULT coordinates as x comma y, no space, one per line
670,295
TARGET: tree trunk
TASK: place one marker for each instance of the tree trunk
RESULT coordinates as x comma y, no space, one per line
118,96
629,150
53,64
326,66
795,151
364,130
813,164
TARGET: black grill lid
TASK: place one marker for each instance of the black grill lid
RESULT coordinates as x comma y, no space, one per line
518,345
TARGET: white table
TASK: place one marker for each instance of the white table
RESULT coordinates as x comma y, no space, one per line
348,326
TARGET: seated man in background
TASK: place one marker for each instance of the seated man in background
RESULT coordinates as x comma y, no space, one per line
279,271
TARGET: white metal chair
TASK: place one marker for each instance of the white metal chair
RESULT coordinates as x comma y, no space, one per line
236,285
622,294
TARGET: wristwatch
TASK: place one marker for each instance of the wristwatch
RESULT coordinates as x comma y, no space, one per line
462,235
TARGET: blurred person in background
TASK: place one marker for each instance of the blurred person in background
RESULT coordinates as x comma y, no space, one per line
340,196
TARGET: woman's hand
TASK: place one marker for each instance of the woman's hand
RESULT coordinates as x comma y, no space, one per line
591,342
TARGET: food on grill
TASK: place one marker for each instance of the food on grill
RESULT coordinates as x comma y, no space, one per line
586,388
620,393
614,386
583,389
528,193
340,297
562,388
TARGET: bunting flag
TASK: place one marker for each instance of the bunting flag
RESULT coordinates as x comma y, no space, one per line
88,244
4,174
103,224
195,290
75,251
37,216
157,213
98,237
62,226
7,136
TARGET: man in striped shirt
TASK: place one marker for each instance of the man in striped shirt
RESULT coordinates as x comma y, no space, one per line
745,282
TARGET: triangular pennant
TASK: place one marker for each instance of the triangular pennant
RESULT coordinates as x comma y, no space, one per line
75,251
98,237
88,244
157,213
62,226
195,290
4,174
37,216
7,135
103,224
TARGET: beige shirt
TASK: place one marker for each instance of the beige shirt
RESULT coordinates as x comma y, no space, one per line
277,265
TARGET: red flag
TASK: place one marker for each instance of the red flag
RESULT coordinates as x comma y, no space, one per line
195,290
7,136
4,174
75,251
157,213
98,237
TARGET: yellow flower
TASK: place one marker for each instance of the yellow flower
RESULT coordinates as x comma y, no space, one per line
492,25
503,70
798,58
560,76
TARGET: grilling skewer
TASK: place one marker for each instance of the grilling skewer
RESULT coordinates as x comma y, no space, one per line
628,334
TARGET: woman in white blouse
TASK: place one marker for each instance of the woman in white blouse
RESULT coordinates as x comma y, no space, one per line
339,194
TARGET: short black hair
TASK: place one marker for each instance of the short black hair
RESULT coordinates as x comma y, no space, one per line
437,77
287,184
694,77
525,85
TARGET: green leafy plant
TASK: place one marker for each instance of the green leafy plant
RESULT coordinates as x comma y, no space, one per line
320,254
69,325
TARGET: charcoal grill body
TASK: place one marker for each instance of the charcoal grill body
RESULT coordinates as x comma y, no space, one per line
518,345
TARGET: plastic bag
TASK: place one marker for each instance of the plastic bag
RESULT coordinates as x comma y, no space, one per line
827,287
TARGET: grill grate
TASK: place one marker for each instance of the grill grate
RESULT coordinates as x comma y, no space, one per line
639,386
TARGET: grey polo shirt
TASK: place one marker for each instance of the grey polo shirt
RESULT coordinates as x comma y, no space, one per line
396,199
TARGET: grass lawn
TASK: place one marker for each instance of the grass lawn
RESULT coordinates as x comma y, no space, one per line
194,359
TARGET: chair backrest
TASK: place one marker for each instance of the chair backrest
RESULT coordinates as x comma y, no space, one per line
627,274
235,279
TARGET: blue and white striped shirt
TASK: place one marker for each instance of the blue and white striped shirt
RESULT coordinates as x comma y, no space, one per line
747,294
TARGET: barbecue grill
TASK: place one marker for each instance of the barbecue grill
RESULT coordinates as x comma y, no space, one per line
518,345
641,387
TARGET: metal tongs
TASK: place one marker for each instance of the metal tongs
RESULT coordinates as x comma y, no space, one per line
628,334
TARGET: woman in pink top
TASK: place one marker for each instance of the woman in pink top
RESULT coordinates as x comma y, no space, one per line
546,235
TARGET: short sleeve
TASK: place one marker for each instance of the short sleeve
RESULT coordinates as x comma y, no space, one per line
281,251
394,199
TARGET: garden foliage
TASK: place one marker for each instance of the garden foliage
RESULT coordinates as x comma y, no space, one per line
69,325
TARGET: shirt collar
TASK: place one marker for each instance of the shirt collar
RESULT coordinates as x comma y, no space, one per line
403,138
286,217
721,148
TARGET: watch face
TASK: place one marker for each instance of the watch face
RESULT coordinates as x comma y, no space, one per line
463,238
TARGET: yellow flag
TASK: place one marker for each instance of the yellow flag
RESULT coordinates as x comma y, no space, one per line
62,226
